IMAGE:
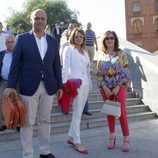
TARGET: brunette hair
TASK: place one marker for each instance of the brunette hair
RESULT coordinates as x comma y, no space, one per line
116,44
73,33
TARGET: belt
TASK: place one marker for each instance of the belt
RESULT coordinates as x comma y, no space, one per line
91,45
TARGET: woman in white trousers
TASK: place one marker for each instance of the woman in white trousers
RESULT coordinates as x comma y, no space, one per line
76,65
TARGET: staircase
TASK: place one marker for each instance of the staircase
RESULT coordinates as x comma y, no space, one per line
60,122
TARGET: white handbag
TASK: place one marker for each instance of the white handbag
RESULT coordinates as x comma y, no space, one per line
112,108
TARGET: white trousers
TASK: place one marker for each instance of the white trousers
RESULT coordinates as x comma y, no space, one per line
77,109
41,102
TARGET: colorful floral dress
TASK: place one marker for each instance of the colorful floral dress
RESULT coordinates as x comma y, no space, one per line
113,70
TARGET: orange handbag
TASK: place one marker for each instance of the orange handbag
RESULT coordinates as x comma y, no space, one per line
13,111
21,109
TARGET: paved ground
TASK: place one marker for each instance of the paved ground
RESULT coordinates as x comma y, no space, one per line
143,143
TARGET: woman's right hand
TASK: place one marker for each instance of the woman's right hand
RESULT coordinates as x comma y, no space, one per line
107,91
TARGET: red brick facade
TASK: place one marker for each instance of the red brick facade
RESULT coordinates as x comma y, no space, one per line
142,23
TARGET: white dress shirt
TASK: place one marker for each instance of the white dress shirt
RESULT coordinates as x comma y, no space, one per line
42,45
6,63
57,30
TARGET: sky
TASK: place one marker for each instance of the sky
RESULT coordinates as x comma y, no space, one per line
103,14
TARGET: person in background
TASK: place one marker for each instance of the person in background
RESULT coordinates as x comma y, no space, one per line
37,71
71,26
90,48
5,62
9,31
62,47
76,65
66,33
57,31
48,30
91,42
3,36
112,72
86,109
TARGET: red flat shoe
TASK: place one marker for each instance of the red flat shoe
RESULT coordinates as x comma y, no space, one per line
81,149
69,141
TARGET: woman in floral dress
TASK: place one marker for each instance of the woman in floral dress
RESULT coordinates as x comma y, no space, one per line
112,72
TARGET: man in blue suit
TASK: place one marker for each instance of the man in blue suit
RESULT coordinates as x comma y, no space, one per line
37,70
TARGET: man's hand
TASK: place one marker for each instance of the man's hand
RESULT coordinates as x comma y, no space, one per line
107,91
115,90
59,93
9,91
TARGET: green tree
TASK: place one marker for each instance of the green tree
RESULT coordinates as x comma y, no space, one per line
57,11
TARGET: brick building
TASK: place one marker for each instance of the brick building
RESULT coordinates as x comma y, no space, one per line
142,23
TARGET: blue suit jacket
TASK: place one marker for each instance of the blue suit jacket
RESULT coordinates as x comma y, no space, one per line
27,67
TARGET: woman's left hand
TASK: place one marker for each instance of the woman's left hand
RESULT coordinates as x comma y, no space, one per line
115,90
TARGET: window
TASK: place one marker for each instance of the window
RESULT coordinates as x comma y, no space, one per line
136,7
156,24
137,26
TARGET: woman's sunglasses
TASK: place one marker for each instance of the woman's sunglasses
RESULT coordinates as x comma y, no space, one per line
109,38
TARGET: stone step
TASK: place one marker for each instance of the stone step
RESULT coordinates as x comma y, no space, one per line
60,117
99,122
85,124
96,96
98,103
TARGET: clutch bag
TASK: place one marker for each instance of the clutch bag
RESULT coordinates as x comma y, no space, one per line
112,108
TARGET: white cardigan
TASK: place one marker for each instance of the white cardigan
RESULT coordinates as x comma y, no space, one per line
76,65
